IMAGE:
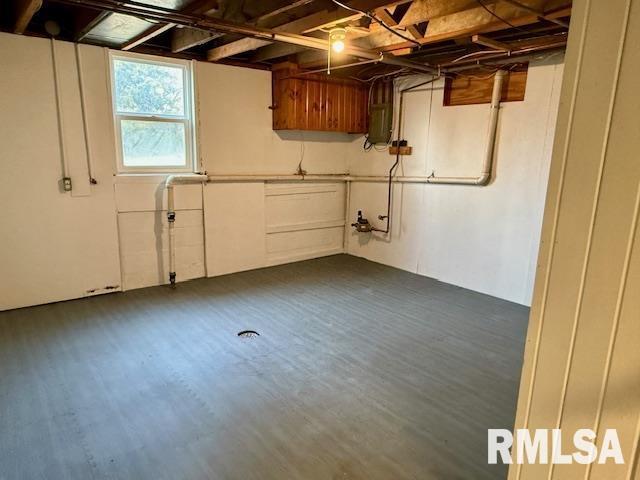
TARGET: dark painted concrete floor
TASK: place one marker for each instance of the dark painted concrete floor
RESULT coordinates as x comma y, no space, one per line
361,372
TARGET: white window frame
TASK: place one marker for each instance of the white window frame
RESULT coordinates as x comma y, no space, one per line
188,119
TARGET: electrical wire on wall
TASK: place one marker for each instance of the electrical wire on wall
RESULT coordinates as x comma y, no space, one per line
381,147
300,170
393,168
63,145
85,127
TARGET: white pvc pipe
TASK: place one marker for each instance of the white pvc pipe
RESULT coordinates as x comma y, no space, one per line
481,180
347,212
171,215
487,163
338,177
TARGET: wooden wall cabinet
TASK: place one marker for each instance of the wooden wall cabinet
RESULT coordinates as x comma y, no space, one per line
317,102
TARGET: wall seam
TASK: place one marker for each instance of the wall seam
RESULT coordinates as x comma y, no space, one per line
616,320
592,222
635,457
554,229
527,294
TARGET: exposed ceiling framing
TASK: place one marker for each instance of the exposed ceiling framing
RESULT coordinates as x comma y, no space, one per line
25,10
412,35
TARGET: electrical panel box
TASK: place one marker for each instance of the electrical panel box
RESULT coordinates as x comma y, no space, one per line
380,123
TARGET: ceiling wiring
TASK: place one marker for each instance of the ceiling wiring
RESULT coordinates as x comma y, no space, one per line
473,54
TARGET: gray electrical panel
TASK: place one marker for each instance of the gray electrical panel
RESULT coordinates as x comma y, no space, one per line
380,123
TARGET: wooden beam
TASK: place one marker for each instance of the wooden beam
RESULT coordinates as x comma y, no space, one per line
275,50
25,10
415,33
199,7
488,42
235,48
465,24
399,12
392,19
424,10
384,15
281,10
86,21
541,13
148,34
302,25
186,38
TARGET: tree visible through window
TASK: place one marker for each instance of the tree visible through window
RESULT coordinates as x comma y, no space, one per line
152,114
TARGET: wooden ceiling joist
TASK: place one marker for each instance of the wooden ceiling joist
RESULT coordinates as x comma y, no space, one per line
24,12
147,35
392,19
186,38
459,25
465,24
415,33
306,24
489,42
275,50
425,10
198,7
433,31
86,21
541,13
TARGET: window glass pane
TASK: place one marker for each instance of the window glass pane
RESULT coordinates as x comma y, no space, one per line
148,88
149,143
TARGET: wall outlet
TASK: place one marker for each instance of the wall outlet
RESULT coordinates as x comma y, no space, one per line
66,184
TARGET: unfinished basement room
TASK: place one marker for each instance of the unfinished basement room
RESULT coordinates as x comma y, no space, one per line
320,239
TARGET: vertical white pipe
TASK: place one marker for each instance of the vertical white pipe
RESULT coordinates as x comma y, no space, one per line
347,212
487,162
171,216
492,130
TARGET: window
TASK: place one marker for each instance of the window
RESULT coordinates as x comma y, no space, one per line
153,114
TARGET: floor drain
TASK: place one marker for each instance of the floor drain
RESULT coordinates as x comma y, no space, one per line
248,334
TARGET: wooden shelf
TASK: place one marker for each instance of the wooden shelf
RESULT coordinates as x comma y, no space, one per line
403,150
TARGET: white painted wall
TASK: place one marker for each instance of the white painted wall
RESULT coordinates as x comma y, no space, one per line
481,238
582,361
61,245
53,246
57,246
252,225
141,202
236,134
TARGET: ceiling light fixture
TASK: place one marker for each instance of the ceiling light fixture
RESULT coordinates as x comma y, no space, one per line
337,37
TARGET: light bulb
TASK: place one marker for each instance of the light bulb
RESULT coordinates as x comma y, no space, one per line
338,46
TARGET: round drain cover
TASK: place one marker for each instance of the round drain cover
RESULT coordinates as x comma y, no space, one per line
248,334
